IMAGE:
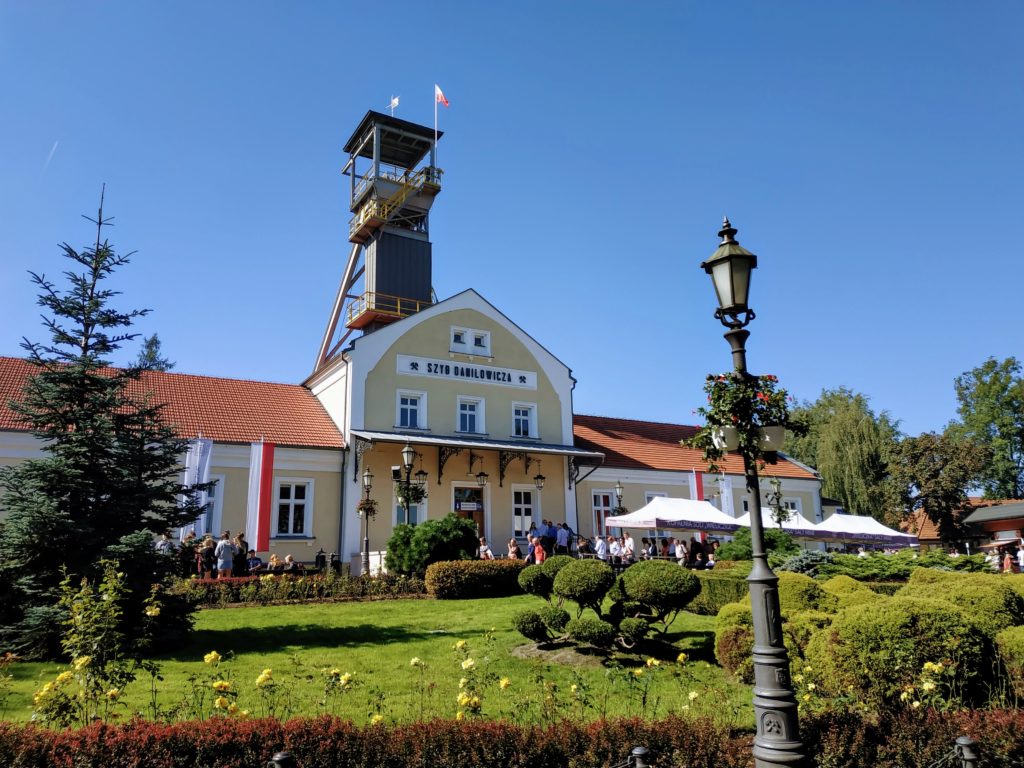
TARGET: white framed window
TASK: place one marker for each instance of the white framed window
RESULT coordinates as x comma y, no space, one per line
470,341
525,508
293,508
602,505
746,505
469,416
410,409
214,515
792,505
524,420
416,514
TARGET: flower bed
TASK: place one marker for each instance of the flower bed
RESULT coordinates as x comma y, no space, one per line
913,740
272,588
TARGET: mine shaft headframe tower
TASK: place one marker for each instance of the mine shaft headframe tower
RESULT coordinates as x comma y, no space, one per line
393,180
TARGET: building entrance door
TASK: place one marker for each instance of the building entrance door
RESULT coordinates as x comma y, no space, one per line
469,503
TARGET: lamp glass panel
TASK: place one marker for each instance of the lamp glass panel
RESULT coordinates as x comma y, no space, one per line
721,274
741,280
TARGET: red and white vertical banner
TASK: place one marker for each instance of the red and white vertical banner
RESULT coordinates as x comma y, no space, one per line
439,98
696,485
261,485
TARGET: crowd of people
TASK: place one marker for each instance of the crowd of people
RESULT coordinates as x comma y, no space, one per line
207,558
619,551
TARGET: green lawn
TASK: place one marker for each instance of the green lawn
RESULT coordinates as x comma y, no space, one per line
375,641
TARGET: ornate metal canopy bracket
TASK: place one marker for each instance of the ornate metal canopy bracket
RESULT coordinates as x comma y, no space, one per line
507,457
444,453
362,445
574,471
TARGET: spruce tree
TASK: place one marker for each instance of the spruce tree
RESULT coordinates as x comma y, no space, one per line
109,473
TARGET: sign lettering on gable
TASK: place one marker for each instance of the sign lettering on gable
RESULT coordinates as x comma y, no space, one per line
429,367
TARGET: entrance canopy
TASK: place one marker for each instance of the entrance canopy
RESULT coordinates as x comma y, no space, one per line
796,525
675,514
841,527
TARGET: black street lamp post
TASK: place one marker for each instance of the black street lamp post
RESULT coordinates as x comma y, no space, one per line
365,514
777,743
405,486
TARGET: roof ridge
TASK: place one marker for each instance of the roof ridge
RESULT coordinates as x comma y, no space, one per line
635,421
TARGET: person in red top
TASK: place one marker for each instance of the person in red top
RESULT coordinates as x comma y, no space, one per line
538,551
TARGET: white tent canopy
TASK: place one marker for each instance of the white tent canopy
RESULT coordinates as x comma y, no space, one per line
841,527
676,514
796,525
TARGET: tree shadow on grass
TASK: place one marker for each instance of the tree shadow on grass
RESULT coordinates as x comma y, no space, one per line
699,644
276,639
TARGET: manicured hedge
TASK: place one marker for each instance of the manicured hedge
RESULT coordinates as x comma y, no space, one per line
842,740
284,588
469,579
718,588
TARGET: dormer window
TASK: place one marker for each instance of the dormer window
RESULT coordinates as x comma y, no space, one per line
458,338
470,341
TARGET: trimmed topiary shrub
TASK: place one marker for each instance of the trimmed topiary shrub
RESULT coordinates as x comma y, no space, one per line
806,563
585,583
717,589
992,603
848,591
877,650
591,631
734,640
1010,645
661,589
553,564
802,593
554,618
412,548
468,579
633,630
534,581
530,625
798,629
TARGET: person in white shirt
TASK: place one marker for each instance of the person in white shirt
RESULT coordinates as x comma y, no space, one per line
485,550
600,548
614,550
627,542
1020,557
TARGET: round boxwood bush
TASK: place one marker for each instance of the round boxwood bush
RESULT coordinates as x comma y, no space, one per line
1010,645
633,631
877,650
585,582
535,581
992,603
591,631
554,618
552,565
530,625
798,629
802,593
734,640
848,591
662,587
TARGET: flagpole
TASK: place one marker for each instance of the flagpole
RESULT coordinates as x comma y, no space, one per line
435,124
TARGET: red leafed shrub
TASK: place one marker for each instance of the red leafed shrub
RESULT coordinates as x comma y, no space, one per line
836,740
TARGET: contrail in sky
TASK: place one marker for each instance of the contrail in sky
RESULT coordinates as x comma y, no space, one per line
50,156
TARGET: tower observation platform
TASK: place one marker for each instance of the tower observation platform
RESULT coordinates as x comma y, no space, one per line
393,180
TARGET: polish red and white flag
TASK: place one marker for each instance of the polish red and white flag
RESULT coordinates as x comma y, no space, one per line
439,96
261,484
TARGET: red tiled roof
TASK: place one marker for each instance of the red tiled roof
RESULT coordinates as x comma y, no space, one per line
919,524
630,444
224,410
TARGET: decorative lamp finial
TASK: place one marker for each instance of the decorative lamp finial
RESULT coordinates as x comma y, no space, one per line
728,231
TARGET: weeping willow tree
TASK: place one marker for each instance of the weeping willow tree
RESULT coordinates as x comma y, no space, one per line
850,446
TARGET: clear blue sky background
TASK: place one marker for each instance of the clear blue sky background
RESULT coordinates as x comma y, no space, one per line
870,153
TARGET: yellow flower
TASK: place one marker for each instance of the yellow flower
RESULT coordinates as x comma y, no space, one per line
808,669
113,693
345,680
474,703
692,695
686,707
81,661
573,688
905,696
376,719
415,662
462,682
220,702
807,697
232,708
468,665
243,713
639,671
153,610
504,683
653,663
63,677
811,686
263,680
462,699
798,678
916,704
222,686
335,672
459,715
681,658
927,685
212,658
459,645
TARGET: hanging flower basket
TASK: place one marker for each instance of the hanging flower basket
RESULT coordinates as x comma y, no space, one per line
748,414
367,507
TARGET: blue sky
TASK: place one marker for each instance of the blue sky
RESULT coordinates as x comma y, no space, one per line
870,153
